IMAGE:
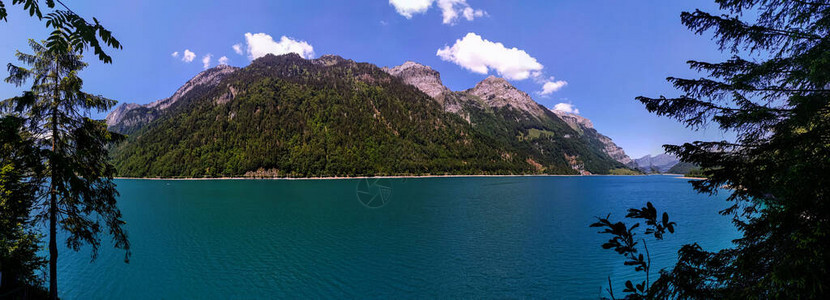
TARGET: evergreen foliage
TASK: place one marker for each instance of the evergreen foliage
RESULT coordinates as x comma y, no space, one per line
72,148
68,28
626,171
302,119
69,31
546,139
775,94
19,241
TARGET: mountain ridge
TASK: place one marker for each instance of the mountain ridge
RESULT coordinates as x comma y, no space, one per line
429,81
121,120
660,163
207,120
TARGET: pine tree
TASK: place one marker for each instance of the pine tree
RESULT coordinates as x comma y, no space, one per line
81,192
19,240
774,93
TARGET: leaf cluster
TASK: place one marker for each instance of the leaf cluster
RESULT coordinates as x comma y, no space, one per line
624,242
69,30
774,94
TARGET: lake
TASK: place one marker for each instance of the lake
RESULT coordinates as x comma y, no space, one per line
462,237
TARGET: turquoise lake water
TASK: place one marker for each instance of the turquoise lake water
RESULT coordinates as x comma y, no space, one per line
481,237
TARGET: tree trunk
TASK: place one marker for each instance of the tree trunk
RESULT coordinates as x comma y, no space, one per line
53,245
53,200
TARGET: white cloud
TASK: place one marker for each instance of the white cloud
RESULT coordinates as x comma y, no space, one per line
237,48
175,54
260,44
566,107
223,60
188,56
450,9
206,61
551,86
470,13
407,8
479,55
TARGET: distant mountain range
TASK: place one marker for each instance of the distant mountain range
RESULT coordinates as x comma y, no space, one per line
289,116
660,163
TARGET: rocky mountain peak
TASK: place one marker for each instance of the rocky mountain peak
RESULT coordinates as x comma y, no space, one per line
410,65
494,80
119,112
573,120
209,77
423,77
498,92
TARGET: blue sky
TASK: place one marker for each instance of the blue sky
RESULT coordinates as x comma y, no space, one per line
607,52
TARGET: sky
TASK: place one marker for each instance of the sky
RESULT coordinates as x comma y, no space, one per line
587,57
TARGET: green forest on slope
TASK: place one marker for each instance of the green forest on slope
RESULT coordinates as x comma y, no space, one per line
304,119
290,117
545,138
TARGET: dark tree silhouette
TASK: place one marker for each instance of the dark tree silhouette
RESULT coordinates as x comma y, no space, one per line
81,192
19,240
774,93
69,29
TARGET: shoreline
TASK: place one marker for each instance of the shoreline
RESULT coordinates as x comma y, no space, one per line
361,177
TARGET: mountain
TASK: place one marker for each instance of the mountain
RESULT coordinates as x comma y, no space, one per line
505,113
585,127
289,116
129,117
498,93
682,168
424,78
660,163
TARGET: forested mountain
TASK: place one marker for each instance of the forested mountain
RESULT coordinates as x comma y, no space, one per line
682,168
288,116
504,113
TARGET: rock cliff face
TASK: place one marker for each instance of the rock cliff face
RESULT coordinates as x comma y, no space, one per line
428,81
129,116
577,122
119,114
497,92
616,152
424,78
583,125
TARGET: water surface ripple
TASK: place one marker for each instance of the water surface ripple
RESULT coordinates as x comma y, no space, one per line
494,237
